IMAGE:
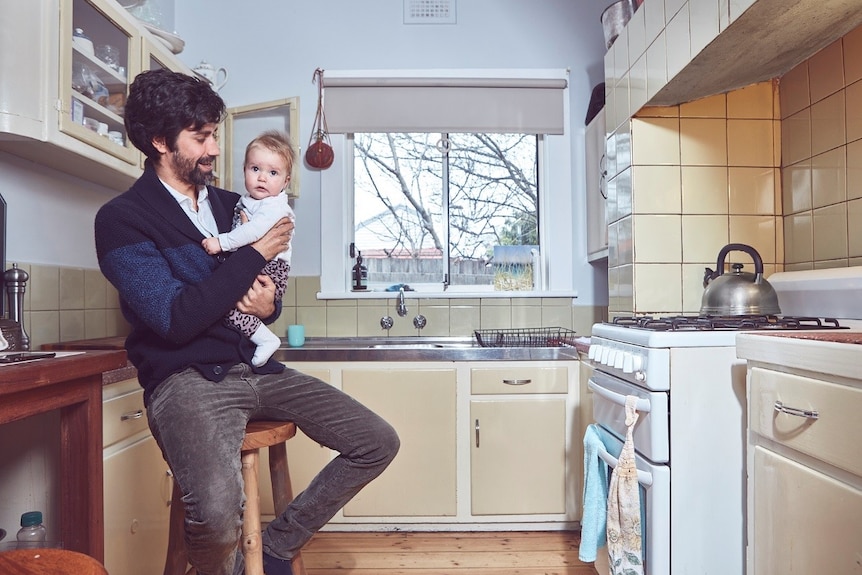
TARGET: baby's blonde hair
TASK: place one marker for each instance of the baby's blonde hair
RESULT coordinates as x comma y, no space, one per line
276,142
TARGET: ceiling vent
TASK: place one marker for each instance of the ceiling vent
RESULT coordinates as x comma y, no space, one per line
429,12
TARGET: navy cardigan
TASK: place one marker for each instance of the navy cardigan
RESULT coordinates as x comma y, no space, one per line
174,294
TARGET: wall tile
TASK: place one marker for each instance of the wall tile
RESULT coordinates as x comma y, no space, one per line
95,323
703,21
368,318
749,143
711,107
653,19
692,286
854,170
853,119
703,237
656,59
703,142
793,91
853,56
623,193
495,316
798,238
638,85
671,7
828,124
314,320
704,190
658,288
752,191
44,288
341,318
96,290
854,228
625,289
42,327
636,30
71,325
625,241
655,141
826,71
464,317
659,190
796,137
752,102
71,288
830,232
828,178
529,316
678,35
306,292
613,242
797,187
657,238
756,231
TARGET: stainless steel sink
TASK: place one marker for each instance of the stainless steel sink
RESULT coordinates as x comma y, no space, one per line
393,342
406,345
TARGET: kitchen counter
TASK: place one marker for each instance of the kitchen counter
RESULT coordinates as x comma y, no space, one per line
379,349
822,352
73,385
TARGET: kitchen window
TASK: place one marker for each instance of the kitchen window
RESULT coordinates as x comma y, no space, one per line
442,183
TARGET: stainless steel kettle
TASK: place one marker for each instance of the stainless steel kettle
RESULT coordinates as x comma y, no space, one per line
738,293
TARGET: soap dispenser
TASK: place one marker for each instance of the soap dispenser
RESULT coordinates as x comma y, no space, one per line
360,274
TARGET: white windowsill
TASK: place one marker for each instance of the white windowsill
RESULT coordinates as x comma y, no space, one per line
444,295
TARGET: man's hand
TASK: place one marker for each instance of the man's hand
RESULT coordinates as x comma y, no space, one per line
260,299
275,240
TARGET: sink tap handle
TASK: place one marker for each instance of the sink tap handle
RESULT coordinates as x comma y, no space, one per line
401,306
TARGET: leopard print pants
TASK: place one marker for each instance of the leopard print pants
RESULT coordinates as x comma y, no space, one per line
278,270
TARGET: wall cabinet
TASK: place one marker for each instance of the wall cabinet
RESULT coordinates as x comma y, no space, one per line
595,159
137,485
62,94
523,472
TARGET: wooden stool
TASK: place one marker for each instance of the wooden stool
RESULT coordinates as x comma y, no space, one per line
49,562
258,434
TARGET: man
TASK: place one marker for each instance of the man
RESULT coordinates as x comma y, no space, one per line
200,387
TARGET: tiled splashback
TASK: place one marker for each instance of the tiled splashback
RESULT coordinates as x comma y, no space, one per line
65,304
777,165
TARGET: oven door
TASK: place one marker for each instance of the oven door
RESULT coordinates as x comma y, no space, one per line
654,480
651,434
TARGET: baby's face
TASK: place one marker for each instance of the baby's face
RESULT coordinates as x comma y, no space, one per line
266,173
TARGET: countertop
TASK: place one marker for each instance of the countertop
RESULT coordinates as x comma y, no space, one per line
835,353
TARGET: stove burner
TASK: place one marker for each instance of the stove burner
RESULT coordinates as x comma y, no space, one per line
726,323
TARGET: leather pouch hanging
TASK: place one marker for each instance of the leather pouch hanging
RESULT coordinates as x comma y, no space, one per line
319,153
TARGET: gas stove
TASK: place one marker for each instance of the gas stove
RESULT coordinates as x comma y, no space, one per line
713,323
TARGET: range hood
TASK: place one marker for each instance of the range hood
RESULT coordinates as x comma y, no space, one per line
764,42
835,292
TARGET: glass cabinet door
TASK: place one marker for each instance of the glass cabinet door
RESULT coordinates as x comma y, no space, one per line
245,123
99,53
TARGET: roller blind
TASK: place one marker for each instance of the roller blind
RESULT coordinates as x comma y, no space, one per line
426,104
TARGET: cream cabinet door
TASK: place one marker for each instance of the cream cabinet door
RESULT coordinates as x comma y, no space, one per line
420,404
804,520
518,456
137,496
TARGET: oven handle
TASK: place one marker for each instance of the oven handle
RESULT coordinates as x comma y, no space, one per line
642,404
644,477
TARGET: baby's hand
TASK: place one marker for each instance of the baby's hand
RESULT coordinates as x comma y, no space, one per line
212,246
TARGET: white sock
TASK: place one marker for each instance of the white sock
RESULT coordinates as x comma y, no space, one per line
267,343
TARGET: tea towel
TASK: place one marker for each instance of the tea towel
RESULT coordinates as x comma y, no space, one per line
594,519
624,511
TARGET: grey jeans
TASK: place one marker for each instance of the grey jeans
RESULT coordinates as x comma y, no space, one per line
199,425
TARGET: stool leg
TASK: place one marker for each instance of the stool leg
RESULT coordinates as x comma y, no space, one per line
252,546
282,492
177,559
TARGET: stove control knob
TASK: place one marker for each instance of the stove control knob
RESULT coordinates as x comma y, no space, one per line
628,362
612,357
604,358
595,350
619,359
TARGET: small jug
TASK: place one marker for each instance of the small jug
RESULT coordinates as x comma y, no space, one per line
206,71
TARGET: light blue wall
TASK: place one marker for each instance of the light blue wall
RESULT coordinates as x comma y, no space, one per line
272,47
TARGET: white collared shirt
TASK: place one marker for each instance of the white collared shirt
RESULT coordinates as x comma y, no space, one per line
203,218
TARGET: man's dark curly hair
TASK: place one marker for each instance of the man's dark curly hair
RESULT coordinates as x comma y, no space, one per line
163,103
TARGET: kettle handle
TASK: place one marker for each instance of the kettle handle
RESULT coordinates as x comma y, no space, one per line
710,275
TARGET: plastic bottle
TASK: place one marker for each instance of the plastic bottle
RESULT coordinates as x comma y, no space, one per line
32,533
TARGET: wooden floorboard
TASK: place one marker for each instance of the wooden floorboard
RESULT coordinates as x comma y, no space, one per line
458,553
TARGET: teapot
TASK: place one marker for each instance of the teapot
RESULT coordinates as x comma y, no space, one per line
211,74
738,293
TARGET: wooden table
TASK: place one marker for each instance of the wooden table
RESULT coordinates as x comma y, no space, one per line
73,385
49,562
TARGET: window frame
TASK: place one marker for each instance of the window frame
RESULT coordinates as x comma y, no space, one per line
557,217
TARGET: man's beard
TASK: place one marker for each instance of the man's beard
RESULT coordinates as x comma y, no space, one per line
189,171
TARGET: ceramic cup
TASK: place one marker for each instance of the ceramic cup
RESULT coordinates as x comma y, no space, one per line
295,335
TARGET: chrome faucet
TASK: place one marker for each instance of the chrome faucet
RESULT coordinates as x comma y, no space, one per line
401,307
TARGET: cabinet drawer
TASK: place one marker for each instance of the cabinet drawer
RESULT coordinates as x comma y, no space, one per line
506,380
123,416
825,438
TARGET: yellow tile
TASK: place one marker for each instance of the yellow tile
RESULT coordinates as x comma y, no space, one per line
658,112
495,317
368,318
655,141
703,142
854,228
798,238
692,285
658,288
796,137
72,325
704,190
314,320
827,123
464,318
656,59
826,71
752,191
749,143
853,55
756,231
42,327
793,91
752,102
828,177
678,35
341,321
796,190
307,288
71,288
437,318
657,239
625,242
776,137
828,264
527,316
830,232
658,190
853,96
710,107
703,237
854,169
44,288
95,290
95,323
554,316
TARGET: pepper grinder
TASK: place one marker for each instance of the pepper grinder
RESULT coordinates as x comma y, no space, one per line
16,285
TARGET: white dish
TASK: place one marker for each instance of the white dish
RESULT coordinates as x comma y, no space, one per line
171,41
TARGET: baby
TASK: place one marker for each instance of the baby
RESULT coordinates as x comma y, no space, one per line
268,164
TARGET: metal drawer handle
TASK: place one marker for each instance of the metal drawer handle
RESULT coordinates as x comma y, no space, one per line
517,381
806,413
132,415
477,433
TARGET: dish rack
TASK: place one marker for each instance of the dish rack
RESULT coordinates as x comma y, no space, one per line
526,337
